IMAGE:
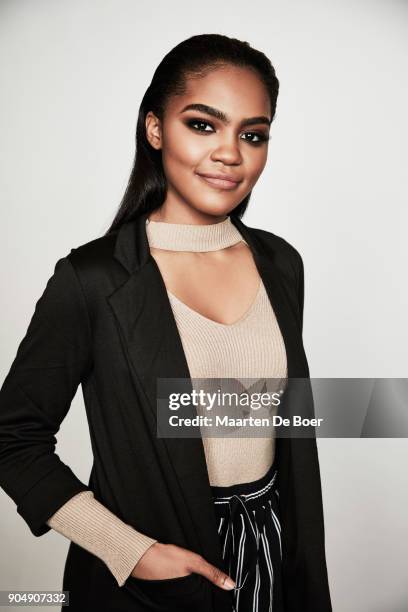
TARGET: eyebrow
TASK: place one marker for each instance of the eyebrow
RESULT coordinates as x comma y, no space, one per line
218,114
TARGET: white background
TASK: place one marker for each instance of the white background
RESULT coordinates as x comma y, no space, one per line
73,75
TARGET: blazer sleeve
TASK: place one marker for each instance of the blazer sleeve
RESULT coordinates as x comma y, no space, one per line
52,359
90,524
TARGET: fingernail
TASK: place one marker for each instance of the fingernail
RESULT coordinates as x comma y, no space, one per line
229,584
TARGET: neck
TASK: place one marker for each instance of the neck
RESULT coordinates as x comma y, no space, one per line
174,211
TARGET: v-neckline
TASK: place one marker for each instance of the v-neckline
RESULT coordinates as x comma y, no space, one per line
241,319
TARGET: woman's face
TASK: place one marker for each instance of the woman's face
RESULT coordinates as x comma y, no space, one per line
226,135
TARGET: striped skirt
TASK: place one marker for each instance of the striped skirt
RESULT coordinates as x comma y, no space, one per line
250,532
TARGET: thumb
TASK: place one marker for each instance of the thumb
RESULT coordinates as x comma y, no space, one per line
213,574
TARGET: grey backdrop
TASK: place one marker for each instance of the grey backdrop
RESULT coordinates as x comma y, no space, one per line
73,74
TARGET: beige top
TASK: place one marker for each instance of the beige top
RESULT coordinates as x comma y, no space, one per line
248,350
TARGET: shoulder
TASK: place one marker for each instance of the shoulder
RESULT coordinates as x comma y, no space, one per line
94,253
94,266
286,255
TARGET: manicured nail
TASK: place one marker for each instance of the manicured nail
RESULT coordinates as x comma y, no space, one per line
229,584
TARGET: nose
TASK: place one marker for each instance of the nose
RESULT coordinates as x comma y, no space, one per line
228,152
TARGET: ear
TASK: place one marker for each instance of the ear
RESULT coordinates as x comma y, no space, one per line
153,130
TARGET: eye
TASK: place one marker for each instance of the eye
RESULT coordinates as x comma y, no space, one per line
192,122
257,138
260,137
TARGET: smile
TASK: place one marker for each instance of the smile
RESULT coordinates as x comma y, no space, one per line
219,183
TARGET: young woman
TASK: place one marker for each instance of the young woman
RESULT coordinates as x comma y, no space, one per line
179,287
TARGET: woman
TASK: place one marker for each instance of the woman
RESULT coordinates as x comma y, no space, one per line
179,287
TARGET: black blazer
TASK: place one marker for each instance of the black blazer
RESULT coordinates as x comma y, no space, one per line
105,321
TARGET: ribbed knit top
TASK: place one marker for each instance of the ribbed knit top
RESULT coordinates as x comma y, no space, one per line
249,350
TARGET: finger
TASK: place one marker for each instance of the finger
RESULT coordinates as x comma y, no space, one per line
213,574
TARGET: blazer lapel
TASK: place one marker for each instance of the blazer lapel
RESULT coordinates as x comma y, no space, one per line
154,348
271,276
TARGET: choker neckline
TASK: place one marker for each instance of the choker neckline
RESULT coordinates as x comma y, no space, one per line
192,237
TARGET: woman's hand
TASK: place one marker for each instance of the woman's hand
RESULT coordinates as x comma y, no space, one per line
164,561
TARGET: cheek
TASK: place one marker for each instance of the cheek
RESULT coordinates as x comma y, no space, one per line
182,151
255,163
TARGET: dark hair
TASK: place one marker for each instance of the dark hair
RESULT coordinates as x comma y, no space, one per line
193,57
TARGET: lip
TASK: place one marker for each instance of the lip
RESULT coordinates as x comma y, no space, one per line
222,181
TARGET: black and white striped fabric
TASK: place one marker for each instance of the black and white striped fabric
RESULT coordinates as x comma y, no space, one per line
249,528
